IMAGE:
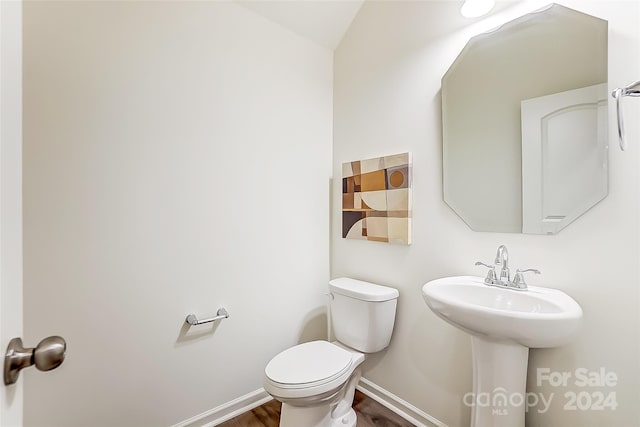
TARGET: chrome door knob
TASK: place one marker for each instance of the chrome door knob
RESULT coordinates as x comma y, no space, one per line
47,355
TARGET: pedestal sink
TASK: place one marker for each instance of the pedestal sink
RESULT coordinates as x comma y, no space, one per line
503,324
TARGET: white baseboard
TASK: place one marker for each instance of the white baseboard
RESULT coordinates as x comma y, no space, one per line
228,410
245,403
397,405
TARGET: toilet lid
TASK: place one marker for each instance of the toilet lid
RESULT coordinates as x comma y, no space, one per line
312,362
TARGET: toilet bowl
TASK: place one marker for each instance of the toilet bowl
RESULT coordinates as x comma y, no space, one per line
316,381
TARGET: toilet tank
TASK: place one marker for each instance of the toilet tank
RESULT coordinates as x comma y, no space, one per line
362,313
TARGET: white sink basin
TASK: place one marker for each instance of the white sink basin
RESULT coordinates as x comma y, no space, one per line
537,317
503,324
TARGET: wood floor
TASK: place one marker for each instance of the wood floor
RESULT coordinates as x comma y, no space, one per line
370,414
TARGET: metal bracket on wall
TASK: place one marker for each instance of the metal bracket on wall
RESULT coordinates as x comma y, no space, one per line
632,90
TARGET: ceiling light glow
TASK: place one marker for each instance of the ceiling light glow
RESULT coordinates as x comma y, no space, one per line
476,8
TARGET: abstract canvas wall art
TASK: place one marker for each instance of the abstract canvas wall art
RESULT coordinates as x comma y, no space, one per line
376,199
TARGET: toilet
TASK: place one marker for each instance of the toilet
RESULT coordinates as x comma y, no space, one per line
316,381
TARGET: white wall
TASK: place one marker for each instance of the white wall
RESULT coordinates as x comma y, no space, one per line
177,158
387,100
11,397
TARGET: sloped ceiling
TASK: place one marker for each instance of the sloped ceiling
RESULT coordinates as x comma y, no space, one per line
322,21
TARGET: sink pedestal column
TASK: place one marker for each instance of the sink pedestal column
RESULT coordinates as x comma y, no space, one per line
499,383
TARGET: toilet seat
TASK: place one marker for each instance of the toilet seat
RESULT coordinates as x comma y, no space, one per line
309,369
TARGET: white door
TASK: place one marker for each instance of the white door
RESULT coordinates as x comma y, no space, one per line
10,197
564,157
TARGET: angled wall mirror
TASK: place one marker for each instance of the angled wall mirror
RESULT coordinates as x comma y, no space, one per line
524,112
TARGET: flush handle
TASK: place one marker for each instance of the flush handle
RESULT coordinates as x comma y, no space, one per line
47,355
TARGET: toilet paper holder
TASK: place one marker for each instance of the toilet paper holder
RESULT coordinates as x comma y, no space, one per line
193,320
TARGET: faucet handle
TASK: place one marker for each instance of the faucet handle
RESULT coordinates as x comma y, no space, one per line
518,279
491,274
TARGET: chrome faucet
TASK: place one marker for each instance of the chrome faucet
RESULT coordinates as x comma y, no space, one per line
502,259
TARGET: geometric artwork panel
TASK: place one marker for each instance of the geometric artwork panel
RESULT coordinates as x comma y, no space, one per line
376,199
